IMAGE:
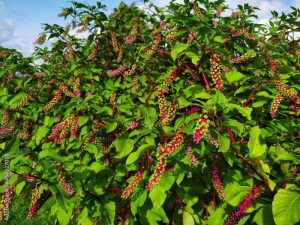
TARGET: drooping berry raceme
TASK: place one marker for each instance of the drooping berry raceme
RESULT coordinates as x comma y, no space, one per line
240,59
216,181
5,201
190,154
114,41
39,203
273,67
215,70
22,102
76,87
211,140
135,83
239,212
158,172
201,128
62,179
120,55
41,39
131,186
274,105
5,118
132,125
162,103
219,10
40,74
166,150
191,37
171,36
117,72
24,135
198,12
95,51
53,101
74,127
153,47
284,90
65,90
35,195
84,26
130,72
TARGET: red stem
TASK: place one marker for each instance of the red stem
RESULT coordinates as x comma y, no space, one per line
251,95
242,159
231,135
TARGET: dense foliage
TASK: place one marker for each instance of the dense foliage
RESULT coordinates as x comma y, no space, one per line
175,115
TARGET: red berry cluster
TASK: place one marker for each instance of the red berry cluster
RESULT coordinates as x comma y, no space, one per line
284,90
198,12
62,179
175,73
215,70
95,51
41,39
274,105
216,181
5,118
114,41
116,72
130,72
53,101
130,39
190,154
131,186
239,212
240,59
201,128
24,135
39,203
4,205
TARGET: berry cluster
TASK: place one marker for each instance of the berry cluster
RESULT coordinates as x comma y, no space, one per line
239,212
162,103
109,138
120,55
171,36
131,186
198,12
84,26
190,154
22,102
130,72
74,127
95,51
116,72
153,47
135,83
40,74
158,172
240,59
5,118
170,114
191,38
114,41
62,179
53,101
41,39
172,146
284,90
274,105
215,70
65,90
4,205
216,181
132,125
39,203
25,135
211,140
201,128
130,39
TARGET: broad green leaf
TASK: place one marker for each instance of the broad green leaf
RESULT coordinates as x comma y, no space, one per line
20,186
193,56
179,48
224,143
286,206
11,148
234,75
135,155
244,111
187,218
123,147
40,134
264,216
157,196
111,211
255,145
83,218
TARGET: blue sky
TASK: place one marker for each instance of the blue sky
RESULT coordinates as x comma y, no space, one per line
20,20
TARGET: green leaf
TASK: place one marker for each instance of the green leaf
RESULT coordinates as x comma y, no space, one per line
192,55
234,75
255,146
111,211
286,206
179,48
224,143
20,186
123,147
83,218
40,134
12,147
244,111
157,196
218,39
136,155
183,102
264,216
219,99
187,218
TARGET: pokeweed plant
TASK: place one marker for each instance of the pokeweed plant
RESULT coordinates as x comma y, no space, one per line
173,115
